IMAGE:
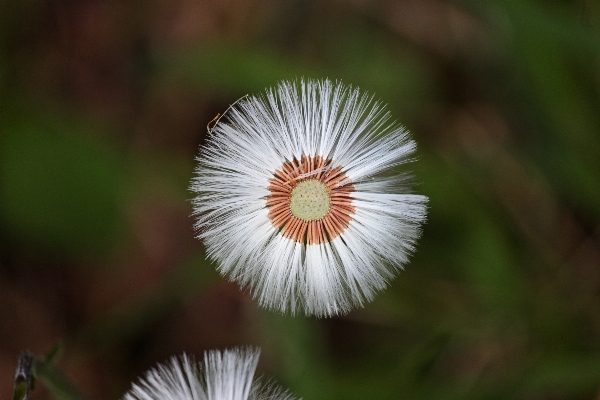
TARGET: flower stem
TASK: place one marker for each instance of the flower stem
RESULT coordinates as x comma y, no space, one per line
29,368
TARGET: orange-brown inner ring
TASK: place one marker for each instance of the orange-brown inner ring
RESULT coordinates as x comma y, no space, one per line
340,200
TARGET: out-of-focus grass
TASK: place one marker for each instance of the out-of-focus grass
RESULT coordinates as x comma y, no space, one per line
96,152
60,188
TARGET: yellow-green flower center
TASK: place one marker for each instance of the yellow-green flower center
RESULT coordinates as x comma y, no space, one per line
310,200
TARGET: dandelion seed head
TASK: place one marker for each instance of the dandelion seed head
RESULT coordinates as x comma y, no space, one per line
302,197
227,375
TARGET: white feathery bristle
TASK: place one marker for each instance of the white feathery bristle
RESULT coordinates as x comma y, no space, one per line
308,118
227,375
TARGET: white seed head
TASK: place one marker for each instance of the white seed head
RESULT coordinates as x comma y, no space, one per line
297,249
227,375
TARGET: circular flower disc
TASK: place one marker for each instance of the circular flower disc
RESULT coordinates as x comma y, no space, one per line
300,200
310,200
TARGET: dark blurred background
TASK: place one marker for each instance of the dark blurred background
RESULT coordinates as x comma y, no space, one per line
103,105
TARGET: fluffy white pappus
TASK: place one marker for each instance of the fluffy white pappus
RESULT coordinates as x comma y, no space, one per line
283,269
223,376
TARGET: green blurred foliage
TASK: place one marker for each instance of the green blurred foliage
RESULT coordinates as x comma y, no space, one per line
500,300
59,188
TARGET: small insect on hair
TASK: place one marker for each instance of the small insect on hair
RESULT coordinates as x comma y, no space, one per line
218,117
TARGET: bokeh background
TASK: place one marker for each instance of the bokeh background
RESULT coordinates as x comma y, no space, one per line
103,105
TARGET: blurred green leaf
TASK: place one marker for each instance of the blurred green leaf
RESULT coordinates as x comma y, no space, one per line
59,185
60,387
559,55
232,69
564,375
